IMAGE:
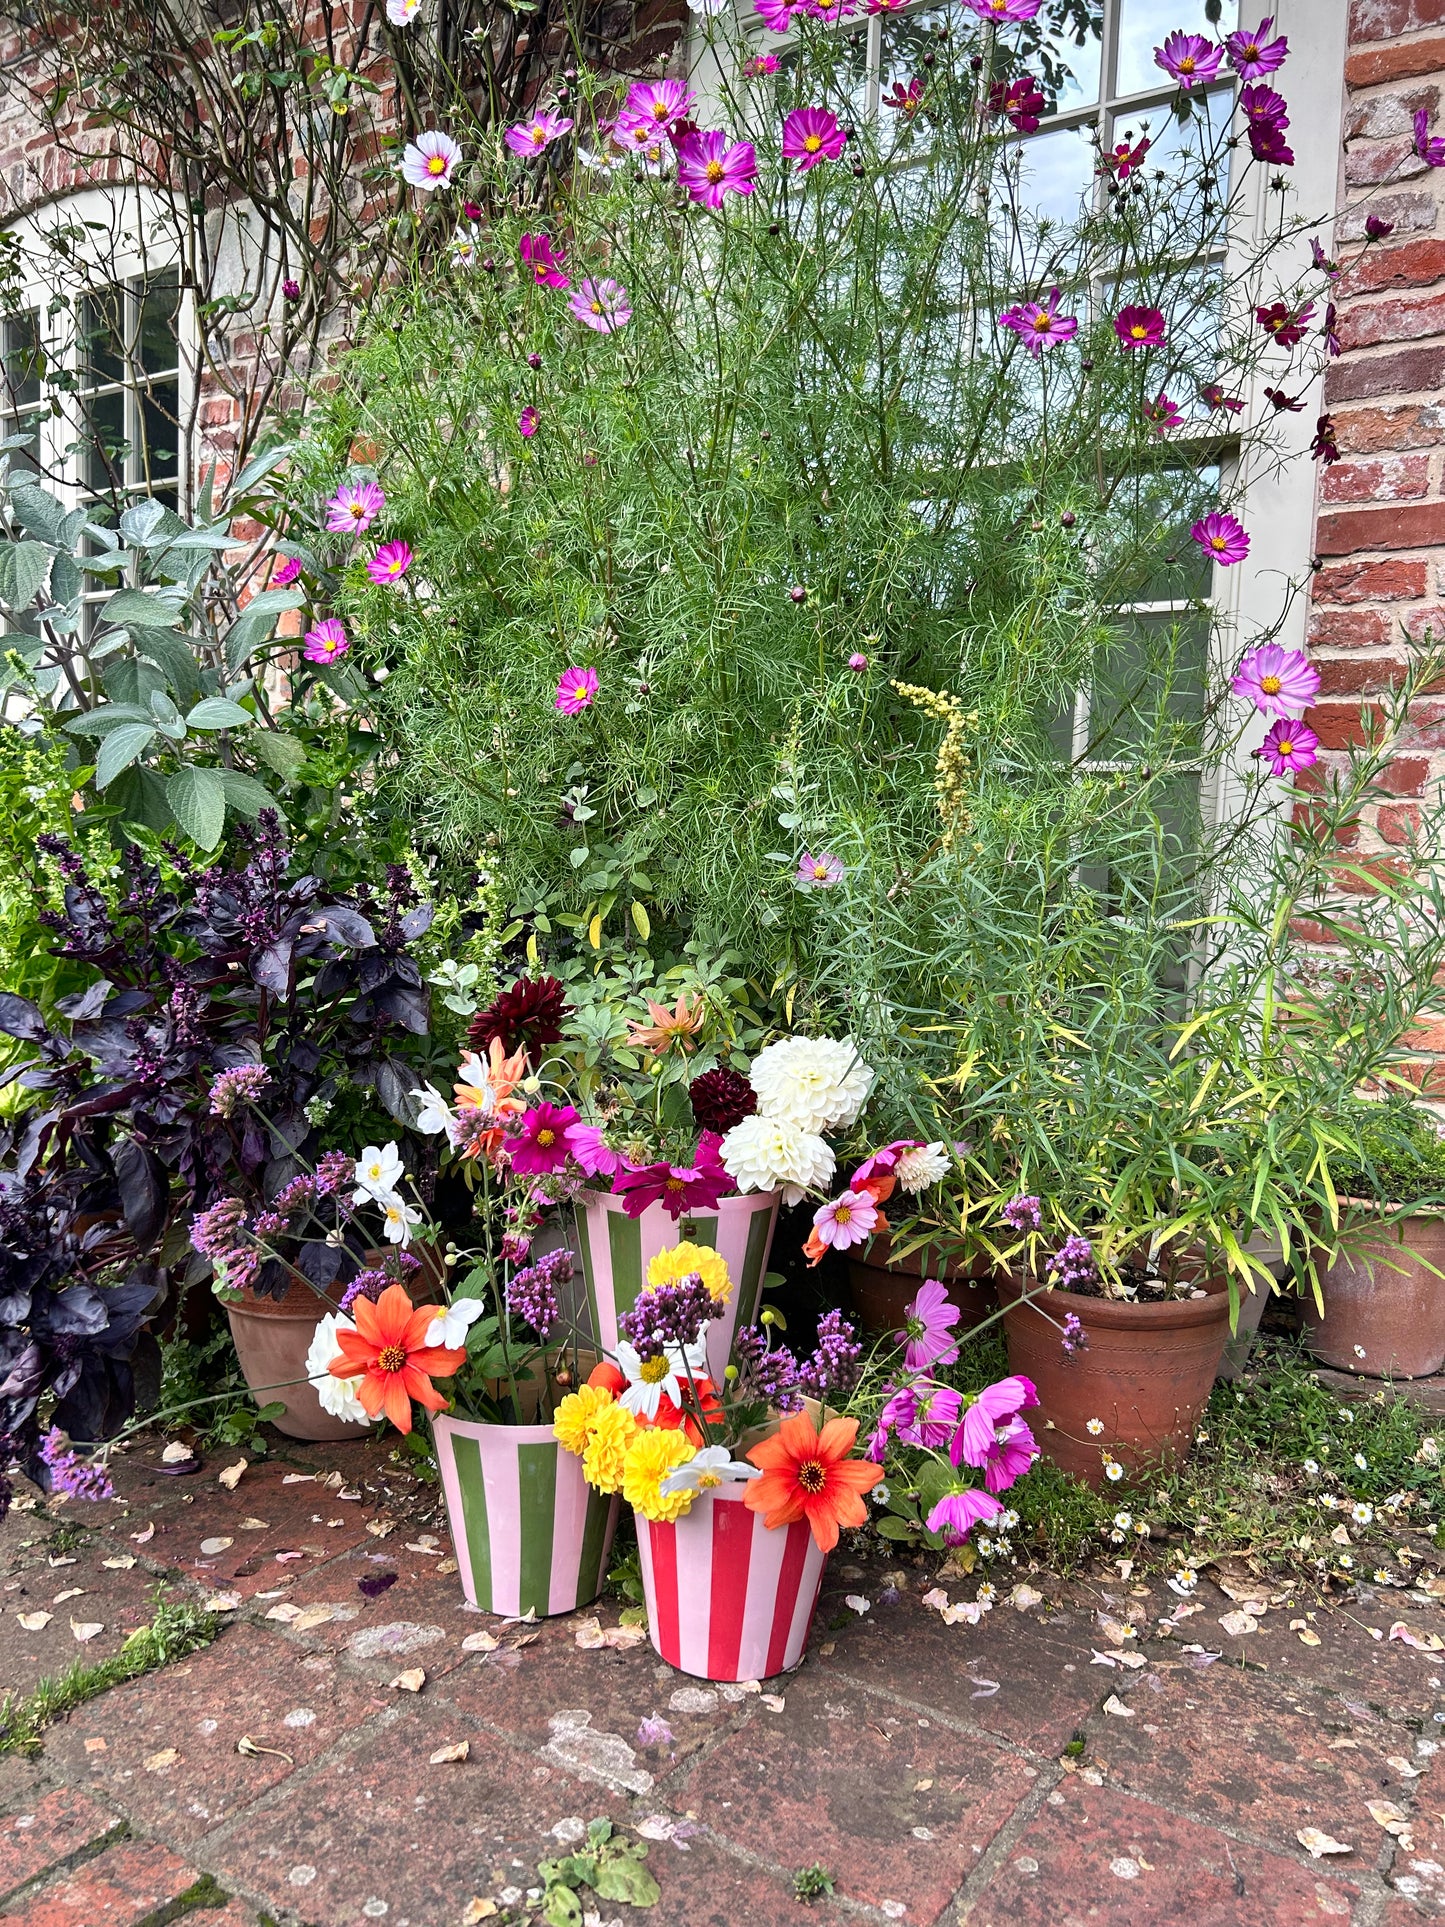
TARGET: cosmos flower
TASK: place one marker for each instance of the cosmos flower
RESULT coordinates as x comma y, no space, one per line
677,1188
1325,447
430,160
389,564
539,255
1125,159
1376,229
846,1221
1001,13
660,102
1222,538
708,168
905,100
820,872
1162,414
601,305
540,1147
588,1146
1021,102
857,661
927,1336
527,423
777,14
760,66
1280,682
1268,144
1039,325
1213,396
464,247
325,641
576,691
1288,747
1260,103
812,134
1187,57
535,136
1287,325
958,1512
1430,148
353,508
287,573
1139,327
1251,55
993,1437
402,12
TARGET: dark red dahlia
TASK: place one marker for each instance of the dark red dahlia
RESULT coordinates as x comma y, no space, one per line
529,1013
720,1099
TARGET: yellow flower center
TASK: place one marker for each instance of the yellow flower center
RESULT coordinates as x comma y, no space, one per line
539,134
391,1358
843,1214
1139,331
357,508
811,1476
706,1480
1218,544
436,164
1284,747
714,171
659,111
1186,65
674,1184
812,143
654,1370
596,307
1270,685
546,1138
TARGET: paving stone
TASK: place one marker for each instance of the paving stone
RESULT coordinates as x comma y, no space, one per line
895,1806
1419,1871
250,1682
123,1885
118,1602
58,1826
1091,1857
706,1886
420,1597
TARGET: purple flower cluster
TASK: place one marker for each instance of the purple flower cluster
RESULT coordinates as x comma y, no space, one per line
243,1085
81,1478
401,1269
669,1315
766,1374
532,1294
1075,1338
1023,1213
217,1234
837,1364
1074,1264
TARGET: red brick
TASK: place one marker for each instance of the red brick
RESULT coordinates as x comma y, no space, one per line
53,1831
1397,822
1336,724
1384,114
1394,581
1359,675
1418,621
1383,19
1370,66
1415,265
1396,478
1369,431
1405,777
1401,318
1348,629
1364,875
126,1884
1413,212
1421,527
1392,160
1410,371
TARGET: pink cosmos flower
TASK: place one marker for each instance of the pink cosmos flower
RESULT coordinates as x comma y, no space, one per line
677,1188
353,508
957,1513
287,573
857,660
883,6
760,66
1287,325
1252,56
1321,260
1213,396
1329,329
849,1220
601,306
535,136
545,262
389,564
430,160
1222,538
1162,414
1039,325
1139,327
1124,160
1268,144
905,100
777,14
1278,681
927,1335
591,1150
1187,57
923,1413
1288,747
540,1146
1004,12
326,642
819,872
993,1438
812,134
661,102
576,691
1430,148
708,168
1021,102
1259,102
527,423
641,137
830,11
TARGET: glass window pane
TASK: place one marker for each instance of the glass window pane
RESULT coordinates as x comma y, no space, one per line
906,39
105,443
158,306
1176,148
1142,27
1056,173
1063,47
102,337
159,459
1148,694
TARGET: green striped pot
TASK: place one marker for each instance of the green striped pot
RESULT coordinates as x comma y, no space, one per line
530,1534
616,1251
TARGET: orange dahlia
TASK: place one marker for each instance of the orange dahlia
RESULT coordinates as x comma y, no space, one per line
809,1475
389,1355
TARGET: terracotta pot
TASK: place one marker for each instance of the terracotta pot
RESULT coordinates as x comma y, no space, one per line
1146,1372
882,1287
1384,1311
272,1338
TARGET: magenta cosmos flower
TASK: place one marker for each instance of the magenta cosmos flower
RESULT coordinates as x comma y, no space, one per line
353,508
1162,414
760,66
659,102
287,573
389,564
777,14
430,160
576,690
1004,12
923,1414
810,135
849,1220
819,872
1281,682
957,1513
1222,538
1253,55
326,642
601,305
536,135
540,1146
1021,102
993,1437
927,1336
527,423
677,1188
1430,148
1139,327
1213,396
1289,746
545,262
1187,57
708,168
592,1151
857,661
1038,324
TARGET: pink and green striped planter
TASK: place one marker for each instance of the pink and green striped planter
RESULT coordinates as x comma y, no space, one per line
616,1251
529,1533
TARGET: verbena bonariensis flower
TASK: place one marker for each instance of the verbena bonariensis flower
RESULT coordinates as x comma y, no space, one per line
389,564
667,1315
601,305
957,1513
1019,101
354,507
1075,1339
576,687
927,1336
1023,1213
1073,1264
1188,57
708,168
544,261
1279,681
81,1478
430,160
660,102
532,137
1139,327
1222,538
837,1361
1038,324
326,641
812,134
1287,325
1430,148
532,1294
243,1085
1252,55
1288,747
993,1438
767,1374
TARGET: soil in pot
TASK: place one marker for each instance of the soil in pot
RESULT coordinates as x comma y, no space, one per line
881,1287
1384,1313
1145,1374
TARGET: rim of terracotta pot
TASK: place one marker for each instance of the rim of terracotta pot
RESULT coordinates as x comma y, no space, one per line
1122,1314
1406,1211
299,1301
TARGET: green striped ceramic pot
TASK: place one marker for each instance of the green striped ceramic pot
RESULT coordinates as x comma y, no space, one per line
529,1533
616,1251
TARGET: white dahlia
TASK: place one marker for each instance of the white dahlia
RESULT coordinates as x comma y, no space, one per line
925,1164
337,1395
771,1154
816,1083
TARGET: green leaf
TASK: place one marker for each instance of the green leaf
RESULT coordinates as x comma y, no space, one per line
278,751
219,712
139,522
625,1878
561,1908
132,606
24,567
256,623
100,722
244,794
640,920
269,1413
891,1528
173,653
120,749
38,512
198,798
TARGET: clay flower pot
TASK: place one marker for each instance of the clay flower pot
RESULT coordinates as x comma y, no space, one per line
1384,1313
881,1287
272,1337
1146,1373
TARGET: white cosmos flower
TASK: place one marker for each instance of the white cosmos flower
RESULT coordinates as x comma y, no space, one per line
430,160
663,1376
713,1466
464,247
337,1395
770,1154
378,1172
433,1113
815,1083
401,13
398,1217
924,1165
450,1329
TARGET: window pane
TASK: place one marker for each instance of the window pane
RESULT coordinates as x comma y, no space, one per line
159,459
1064,48
102,337
1142,27
105,444
158,307
1148,696
906,40
21,363
1056,174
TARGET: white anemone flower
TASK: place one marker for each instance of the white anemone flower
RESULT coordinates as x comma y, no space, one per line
337,1395
433,1113
714,1465
926,1164
398,1217
816,1083
771,1154
662,1376
451,1326
379,1170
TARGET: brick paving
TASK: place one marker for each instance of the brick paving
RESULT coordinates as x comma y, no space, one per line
941,1774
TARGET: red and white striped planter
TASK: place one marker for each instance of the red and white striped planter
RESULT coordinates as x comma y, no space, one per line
529,1533
616,1251
728,1599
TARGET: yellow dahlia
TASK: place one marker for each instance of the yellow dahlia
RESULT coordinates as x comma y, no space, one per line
671,1267
650,1457
613,1430
577,1414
